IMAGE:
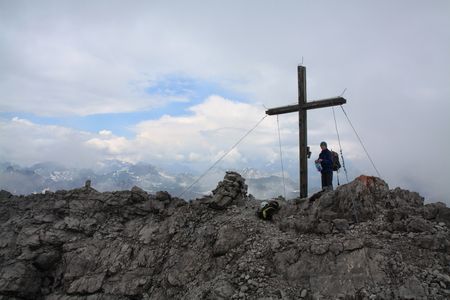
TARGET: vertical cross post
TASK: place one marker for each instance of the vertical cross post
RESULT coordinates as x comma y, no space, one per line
302,126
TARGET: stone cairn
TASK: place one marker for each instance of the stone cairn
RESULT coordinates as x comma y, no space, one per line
230,191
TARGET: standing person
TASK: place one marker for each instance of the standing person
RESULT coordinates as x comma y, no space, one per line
326,161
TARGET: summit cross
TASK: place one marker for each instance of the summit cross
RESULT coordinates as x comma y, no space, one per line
302,107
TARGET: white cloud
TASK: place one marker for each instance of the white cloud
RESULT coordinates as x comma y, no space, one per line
21,121
212,128
61,58
27,143
105,132
112,145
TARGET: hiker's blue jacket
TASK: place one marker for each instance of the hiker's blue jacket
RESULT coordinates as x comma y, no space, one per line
327,161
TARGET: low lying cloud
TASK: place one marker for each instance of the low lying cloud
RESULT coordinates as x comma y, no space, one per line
27,143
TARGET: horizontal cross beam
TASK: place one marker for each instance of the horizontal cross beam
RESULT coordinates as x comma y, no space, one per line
308,105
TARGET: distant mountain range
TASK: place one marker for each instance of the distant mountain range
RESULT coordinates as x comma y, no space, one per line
112,175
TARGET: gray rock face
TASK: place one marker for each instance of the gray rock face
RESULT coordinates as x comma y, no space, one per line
341,225
412,289
361,241
228,238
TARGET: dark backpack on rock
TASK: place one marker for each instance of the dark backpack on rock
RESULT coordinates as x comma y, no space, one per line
335,161
268,209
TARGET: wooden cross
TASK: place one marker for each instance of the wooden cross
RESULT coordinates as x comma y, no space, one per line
302,107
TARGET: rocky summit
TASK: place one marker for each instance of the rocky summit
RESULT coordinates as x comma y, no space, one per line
360,241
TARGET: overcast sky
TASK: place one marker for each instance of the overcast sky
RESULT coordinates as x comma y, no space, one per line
182,81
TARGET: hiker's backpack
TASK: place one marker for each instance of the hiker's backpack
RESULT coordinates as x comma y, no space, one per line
268,209
335,159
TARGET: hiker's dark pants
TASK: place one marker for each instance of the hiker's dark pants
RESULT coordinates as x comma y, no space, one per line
327,180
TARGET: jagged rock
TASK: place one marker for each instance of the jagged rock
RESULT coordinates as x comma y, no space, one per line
336,248
222,290
361,241
162,196
444,215
228,238
5,194
341,225
396,215
324,227
87,285
412,289
304,225
47,260
430,211
419,225
319,249
19,279
436,242
353,244
303,293
404,198
356,201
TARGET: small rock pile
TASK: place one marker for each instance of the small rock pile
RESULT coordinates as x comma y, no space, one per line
232,190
